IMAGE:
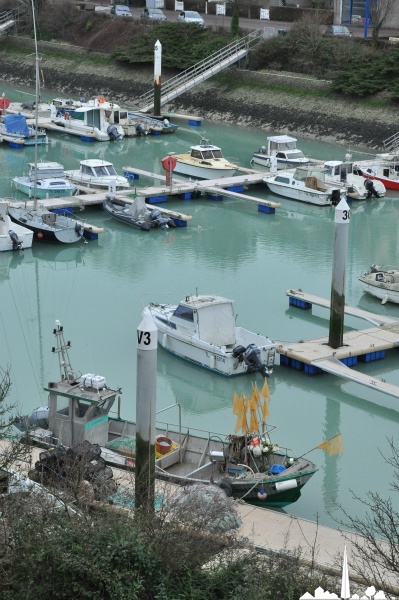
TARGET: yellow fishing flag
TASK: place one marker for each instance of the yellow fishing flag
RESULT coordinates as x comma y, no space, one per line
255,393
333,446
265,409
254,423
241,413
236,404
265,390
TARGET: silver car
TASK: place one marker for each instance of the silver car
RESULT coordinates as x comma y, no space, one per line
155,14
191,16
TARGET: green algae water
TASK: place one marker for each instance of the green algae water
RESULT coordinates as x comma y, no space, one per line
98,291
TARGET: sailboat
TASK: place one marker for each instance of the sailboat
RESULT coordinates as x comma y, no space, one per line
46,225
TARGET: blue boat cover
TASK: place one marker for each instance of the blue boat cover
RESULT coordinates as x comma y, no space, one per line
16,124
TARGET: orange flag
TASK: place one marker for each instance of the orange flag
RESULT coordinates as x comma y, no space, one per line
236,404
334,445
265,409
265,390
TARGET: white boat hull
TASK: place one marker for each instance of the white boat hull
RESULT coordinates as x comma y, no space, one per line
202,172
308,196
97,183
382,292
208,356
264,161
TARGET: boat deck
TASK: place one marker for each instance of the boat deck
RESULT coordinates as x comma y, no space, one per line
316,355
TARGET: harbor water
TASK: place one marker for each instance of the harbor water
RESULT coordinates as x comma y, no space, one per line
98,291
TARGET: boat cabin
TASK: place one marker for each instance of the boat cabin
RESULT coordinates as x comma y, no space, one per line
283,147
209,318
46,170
206,152
97,168
338,170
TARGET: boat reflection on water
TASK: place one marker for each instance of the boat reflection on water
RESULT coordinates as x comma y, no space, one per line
73,255
12,260
202,393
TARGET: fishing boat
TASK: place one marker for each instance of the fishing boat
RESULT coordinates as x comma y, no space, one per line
46,226
306,184
137,213
382,282
49,178
384,167
12,235
97,174
283,149
15,130
92,123
205,161
342,174
202,330
249,466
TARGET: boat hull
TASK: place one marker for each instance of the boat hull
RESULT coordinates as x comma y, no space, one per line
67,231
27,187
382,292
97,183
202,172
301,195
264,161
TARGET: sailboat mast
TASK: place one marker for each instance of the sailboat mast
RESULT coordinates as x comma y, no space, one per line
36,104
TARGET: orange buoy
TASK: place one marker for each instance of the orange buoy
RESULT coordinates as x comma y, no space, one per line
67,116
101,99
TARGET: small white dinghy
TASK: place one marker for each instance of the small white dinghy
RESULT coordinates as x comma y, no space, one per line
202,330
382,282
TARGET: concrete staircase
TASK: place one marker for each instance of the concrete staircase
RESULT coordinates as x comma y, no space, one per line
213,64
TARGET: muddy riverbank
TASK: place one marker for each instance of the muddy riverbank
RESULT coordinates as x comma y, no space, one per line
283,103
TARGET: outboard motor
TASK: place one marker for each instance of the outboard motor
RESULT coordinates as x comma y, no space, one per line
371,191
16,243
253,360
335,197
113,133
140,129
79,230
158,219
38,418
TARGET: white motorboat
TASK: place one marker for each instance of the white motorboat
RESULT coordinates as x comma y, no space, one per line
97,174
92,123
205,161
49,178
341,174
306,184
202,330
384,167
15,130
283,149
12,235
382,282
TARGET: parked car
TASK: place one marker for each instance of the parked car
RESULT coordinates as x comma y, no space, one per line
191,16
155,14
338,30
121,11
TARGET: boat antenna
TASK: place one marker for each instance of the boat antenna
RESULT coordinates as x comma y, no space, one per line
36,104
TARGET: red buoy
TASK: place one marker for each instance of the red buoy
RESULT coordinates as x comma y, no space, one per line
40,235
169,163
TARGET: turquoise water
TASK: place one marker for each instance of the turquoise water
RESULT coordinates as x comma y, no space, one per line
98,291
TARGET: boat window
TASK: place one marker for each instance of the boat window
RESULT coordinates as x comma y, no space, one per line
111,170
62,406
100,409
280,155
123,115
86,170
196,154
281,179
184,312
217,154
100,171
108,113
207,154
300,175
78,115
297,154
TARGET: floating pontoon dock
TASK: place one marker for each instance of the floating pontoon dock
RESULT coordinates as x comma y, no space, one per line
367,345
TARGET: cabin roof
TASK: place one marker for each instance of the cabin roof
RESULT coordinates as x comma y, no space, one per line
281,139
205,300
96,162
45,165
205,147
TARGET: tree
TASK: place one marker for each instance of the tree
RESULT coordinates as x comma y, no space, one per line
11,451
375,552
379,11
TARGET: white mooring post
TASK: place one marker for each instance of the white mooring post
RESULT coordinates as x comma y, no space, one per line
146,413
341,236
157,77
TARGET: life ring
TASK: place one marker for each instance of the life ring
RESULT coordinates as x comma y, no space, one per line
101,99
67,116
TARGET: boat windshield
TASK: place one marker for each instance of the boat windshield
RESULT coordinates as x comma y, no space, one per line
217,154
207,154
296,154
100,171
111,170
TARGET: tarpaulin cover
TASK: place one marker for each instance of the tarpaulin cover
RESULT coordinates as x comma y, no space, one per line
16,124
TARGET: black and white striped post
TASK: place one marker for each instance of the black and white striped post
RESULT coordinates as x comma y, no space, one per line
157,77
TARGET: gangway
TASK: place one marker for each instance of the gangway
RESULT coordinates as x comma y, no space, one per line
9,18
392,143
213,64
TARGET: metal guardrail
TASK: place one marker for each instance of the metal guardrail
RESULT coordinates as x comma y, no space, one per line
212,64
392,143
11,15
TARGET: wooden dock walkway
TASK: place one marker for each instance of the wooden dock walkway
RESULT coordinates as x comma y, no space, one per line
314,356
